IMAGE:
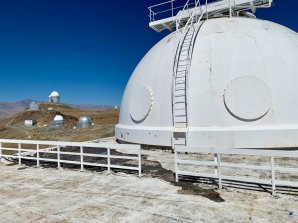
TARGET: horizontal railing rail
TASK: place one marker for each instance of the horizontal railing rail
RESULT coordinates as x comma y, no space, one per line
54,147
218,164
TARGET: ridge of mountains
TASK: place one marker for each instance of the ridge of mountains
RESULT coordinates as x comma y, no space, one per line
9,109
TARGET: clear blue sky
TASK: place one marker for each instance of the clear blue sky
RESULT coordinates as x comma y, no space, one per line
85,49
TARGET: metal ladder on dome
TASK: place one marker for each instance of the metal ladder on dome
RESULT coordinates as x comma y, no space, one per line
181,69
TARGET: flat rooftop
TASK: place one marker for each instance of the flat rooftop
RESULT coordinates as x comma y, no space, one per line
30,194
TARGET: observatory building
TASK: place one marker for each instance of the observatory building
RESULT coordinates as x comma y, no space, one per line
54,97
30,123
58,121
34,106
222,79
85,122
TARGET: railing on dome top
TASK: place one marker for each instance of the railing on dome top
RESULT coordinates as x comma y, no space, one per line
171,8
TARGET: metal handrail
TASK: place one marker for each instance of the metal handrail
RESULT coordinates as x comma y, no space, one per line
20,155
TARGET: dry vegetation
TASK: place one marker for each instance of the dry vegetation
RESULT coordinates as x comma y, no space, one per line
104,122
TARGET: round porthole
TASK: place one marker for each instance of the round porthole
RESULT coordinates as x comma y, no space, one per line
141,104
247,98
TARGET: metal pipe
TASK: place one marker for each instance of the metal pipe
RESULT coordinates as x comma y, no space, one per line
58,157
37,156
19,154
109,159
273,176
82,158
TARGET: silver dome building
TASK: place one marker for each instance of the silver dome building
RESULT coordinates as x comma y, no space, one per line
85,122
220,81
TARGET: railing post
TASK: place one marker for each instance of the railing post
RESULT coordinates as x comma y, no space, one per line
0,151
176,166
172,5
216,163
219,171
230,9
109,159
19,154
82,158
58,157
37,156
207,10
273,176
140,161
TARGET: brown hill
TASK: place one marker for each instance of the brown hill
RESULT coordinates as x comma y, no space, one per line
104,122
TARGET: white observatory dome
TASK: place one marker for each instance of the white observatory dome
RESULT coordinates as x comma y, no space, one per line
242,88
58,118
54,94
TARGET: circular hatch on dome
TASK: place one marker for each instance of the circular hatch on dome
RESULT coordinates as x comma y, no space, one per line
141,104
247,98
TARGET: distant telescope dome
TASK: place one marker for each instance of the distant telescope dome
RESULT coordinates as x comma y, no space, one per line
34,106
58,121
85,122
240,90
54,94
54,97
58,118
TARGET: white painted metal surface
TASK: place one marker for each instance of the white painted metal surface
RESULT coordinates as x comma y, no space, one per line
165,15
36,149
242,88
218,164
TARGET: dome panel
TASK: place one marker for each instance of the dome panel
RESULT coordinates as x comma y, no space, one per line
141,104
247,98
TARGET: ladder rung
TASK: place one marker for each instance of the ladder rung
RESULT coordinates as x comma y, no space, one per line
180,116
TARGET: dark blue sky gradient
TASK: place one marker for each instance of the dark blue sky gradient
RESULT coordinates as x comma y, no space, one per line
85,49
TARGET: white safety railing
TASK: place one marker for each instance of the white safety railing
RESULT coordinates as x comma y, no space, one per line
218,165
163,16
168,9
21,150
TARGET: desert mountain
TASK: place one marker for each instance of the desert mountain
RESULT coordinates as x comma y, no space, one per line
9,109
104,122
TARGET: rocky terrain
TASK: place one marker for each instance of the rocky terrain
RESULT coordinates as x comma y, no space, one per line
9,109
104,122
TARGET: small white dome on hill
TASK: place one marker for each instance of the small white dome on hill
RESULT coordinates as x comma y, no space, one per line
58,118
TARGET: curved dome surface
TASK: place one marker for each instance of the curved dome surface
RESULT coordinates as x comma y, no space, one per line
54,94
242,88
85,120
58,118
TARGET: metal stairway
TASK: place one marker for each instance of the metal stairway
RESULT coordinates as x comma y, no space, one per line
182,66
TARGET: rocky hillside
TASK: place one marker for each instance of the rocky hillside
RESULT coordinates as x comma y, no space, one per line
9,109
104,122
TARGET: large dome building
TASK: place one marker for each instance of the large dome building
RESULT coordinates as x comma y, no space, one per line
54,97
240,89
